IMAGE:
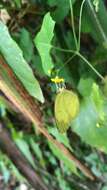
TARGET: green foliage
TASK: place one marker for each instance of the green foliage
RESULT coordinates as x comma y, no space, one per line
62,182
97,166
84,71
91,122
85,86
17,3
62,9
43,42
97,97
8,169
96,22
4,171
70,164
63,139
14,57
23,146
37,151
25,43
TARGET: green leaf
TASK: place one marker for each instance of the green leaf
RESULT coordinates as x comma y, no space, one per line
99,56
95,163
63,184
18,3
70,164
63,139
90,125
60,137
96,96
62,9
25,43
37,151
37,65
97,21
14,58
43,42
85,86
16,173
24,148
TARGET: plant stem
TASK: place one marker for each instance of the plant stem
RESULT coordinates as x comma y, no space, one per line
63,50
73,26
83,58
68,60
89,64
80,18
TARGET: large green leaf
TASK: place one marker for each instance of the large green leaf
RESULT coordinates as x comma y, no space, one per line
43,42
95,22
91,125
62,9
14,58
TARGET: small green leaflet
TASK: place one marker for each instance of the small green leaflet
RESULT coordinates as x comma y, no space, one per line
43,42
14,58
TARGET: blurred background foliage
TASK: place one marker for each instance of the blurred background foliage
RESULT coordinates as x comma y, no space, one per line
88,132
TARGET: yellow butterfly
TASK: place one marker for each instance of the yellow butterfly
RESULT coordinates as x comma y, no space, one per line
66,109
